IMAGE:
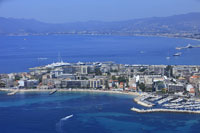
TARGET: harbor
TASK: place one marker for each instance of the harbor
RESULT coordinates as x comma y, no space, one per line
163,110
166,103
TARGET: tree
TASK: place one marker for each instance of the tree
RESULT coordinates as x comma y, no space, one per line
2,85
98,71
17,77
142,70
114,78
142,86
122,79
168,71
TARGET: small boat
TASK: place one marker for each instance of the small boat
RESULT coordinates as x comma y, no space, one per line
52,92
177,54
67,117
167,57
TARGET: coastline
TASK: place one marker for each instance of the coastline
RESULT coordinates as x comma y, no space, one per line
166,36
72,90
135,94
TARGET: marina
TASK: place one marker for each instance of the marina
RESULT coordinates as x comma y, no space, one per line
157,103
163,110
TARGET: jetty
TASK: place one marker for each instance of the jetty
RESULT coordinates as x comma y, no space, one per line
52,92
163,110
143,102
12,93
188,46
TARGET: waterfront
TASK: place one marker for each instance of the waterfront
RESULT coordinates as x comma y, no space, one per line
93,112
24,52
97,107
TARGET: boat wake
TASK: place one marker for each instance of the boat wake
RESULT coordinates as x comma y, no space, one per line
60,124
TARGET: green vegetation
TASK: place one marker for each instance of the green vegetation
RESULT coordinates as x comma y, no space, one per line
142,86
142,70
17,77
169,71
2,85
114,78
98,71
114,70
122,79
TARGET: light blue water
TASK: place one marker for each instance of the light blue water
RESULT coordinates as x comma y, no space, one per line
93,112
18,53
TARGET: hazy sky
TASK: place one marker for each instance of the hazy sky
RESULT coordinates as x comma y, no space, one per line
104,10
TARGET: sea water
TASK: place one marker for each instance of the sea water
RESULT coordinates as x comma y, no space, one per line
18,53
39,112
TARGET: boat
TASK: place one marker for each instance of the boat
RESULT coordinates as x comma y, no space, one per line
52,92
67,117
189,46
177,54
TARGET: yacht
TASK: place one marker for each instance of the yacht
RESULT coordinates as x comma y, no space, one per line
177,54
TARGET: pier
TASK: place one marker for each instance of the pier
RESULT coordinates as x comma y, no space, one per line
163,110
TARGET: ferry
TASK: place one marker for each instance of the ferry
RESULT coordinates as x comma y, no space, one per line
57,64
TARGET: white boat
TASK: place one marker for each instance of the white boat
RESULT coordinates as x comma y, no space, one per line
67,117
177,54
57,64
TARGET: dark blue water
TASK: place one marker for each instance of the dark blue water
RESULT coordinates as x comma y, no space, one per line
93,112
18,53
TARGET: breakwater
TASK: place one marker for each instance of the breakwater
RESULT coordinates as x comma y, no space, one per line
163,110
143,103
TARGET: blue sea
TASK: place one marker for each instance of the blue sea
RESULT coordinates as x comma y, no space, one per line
33,112
18,53
40,112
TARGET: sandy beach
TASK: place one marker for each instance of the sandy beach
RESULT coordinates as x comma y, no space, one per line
72,90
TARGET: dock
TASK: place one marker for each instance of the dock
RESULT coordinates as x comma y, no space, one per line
12,93
163,110
52,92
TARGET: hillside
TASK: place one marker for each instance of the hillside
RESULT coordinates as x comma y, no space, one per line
178,24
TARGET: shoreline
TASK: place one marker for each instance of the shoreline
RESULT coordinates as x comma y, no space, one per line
72,90
144,35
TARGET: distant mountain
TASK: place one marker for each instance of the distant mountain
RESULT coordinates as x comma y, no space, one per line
177,24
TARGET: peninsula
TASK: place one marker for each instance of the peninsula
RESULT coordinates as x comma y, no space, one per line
161,88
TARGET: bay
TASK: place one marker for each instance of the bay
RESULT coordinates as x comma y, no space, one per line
18,53
38,112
